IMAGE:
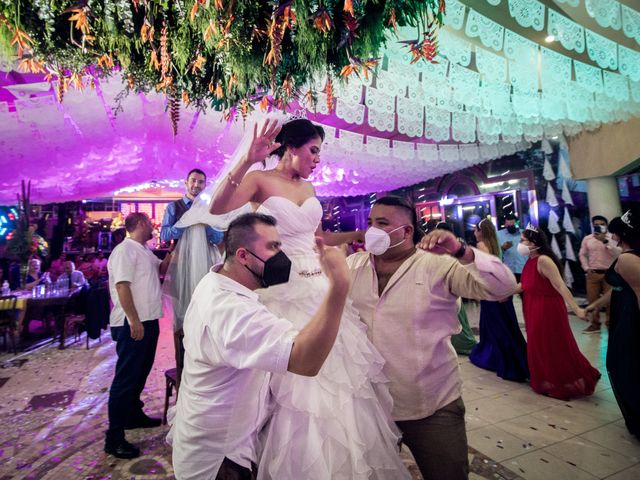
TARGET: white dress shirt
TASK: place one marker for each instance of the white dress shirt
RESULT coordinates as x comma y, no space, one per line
412,321
231,344
133,262
77,279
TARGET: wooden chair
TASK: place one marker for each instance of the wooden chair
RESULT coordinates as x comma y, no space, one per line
8,319
171,379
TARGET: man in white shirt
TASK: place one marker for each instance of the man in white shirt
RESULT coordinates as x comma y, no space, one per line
70,278
407,298
232,342
134,285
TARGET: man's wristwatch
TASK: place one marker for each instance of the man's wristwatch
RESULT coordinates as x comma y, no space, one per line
461,251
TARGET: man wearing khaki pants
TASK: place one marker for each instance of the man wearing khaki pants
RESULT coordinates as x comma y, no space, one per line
597,253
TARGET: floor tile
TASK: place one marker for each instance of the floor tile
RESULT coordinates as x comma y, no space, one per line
589,456
615,437
534,430
632,473
575,420
540,465
497,443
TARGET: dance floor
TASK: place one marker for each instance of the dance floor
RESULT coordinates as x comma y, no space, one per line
53,413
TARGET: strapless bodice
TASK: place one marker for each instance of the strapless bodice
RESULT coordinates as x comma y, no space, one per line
297,224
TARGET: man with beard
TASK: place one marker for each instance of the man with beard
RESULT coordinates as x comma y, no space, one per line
508,239
180,288
134,285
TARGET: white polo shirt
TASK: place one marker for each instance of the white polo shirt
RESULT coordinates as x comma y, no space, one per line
231,344
135,263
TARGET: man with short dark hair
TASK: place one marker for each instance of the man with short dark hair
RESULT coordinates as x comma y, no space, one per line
232,343
508,239
134,285
405,289
194,183
597,253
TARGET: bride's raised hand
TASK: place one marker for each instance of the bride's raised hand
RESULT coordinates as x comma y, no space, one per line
263,143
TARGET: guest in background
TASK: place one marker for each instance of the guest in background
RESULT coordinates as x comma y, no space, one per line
508,239
134,285
35,276
597,253
182,274
623,354
502,348
57,266
71,278
557,367
100,265
87,267
464,341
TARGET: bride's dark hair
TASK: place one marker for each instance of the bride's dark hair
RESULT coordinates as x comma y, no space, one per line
296,133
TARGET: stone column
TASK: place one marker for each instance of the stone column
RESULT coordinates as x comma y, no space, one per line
604,197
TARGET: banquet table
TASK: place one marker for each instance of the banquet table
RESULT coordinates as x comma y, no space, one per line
27,303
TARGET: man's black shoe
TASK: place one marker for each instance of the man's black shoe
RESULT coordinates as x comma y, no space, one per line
143,422
122,450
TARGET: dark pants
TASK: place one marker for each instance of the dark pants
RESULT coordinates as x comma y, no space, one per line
439,443
135,359
232,471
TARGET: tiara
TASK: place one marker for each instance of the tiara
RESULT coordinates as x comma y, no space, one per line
299,114
531,227
626,218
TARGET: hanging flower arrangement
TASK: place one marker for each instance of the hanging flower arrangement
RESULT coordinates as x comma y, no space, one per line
225,54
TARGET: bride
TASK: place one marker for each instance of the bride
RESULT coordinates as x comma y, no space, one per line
336,425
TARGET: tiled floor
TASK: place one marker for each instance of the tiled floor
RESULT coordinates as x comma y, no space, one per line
53,415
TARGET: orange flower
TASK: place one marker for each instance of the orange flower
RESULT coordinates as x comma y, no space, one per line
80,17
76,81
198,63
194,11
219,92
348,6
210,31
31,65
185,97
154,62
322,20
264,104
105,61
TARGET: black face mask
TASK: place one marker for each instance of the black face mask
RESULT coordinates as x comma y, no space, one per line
512,229
276,269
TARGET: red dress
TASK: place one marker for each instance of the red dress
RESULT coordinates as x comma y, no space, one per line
556,365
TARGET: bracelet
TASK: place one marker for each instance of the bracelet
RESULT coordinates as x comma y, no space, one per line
233,183
462,250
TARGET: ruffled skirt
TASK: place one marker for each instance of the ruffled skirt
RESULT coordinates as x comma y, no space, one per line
336,425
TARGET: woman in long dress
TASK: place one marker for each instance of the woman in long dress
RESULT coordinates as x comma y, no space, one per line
556,365
502,348
335,425
623,355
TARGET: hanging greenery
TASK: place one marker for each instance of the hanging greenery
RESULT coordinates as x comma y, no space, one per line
219,53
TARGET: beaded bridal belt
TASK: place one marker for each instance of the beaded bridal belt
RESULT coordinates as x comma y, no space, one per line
308,274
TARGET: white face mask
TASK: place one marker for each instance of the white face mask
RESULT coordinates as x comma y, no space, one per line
378,241
524,250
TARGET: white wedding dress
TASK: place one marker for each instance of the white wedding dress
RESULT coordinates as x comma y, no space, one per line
335,425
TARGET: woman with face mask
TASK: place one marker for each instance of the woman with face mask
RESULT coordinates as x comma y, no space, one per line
502,348
623,355
556,365
337,424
